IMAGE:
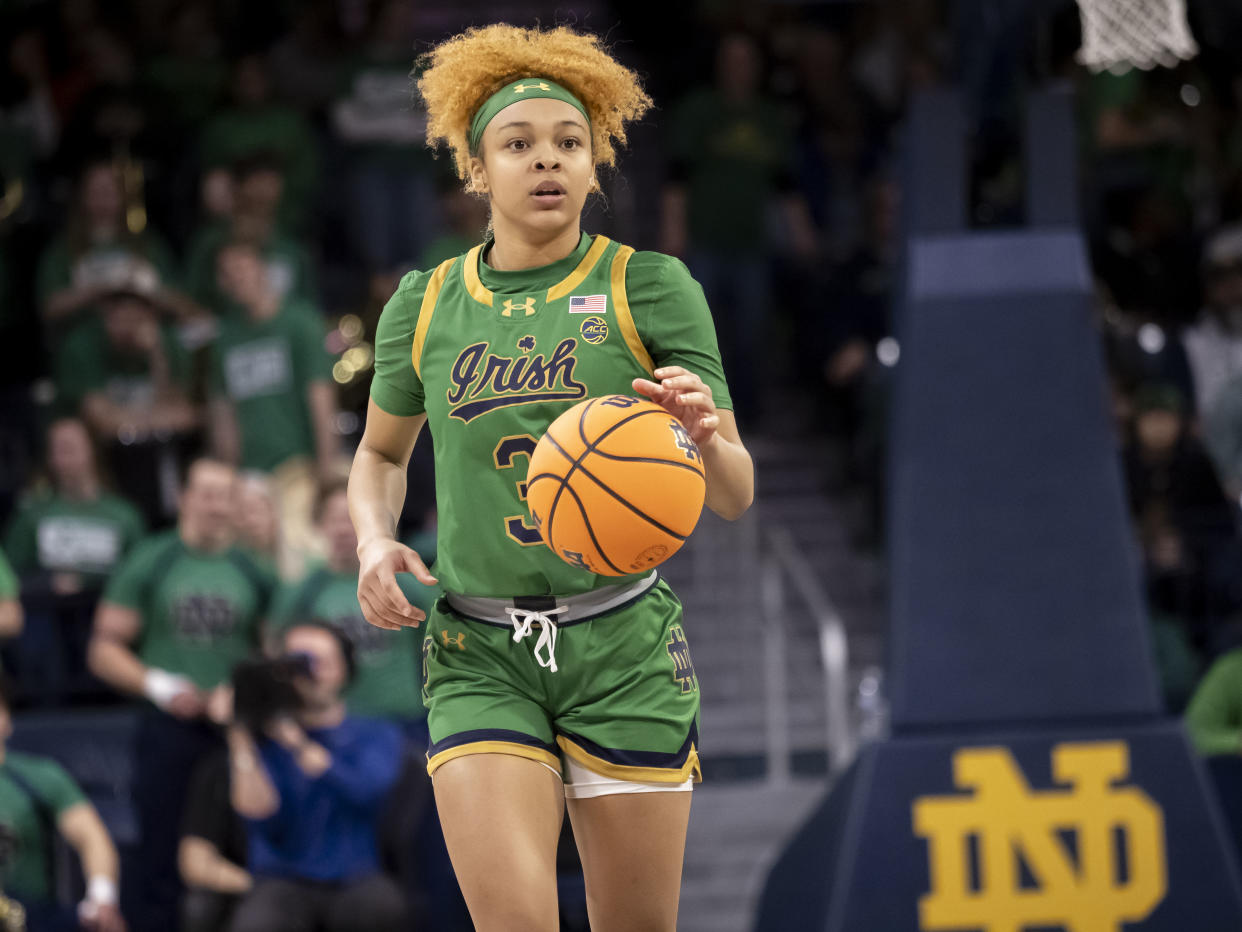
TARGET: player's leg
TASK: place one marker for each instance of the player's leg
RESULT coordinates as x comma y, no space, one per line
632,845
628,733
492,755
501,816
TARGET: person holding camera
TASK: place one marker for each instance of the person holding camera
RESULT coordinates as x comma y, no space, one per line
310,781
177,614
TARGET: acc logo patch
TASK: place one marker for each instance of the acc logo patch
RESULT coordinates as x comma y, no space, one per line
594,330
1072,841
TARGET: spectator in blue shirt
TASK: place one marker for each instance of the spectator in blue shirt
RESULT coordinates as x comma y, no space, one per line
310,789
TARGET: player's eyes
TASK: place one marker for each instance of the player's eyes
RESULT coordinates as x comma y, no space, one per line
571,143
517,144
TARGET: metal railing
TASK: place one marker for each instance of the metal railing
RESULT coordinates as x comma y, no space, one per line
783,563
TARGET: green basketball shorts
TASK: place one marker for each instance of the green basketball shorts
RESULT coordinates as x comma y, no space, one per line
614,691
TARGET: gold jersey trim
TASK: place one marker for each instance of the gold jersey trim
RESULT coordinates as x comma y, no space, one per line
435,761
477,290
470,274
578,275
621,303
426,310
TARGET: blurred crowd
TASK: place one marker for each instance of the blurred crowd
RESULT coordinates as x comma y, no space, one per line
203,208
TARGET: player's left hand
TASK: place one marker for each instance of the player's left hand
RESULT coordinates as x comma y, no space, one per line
686,397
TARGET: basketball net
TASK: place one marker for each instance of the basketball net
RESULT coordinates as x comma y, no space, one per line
1118,35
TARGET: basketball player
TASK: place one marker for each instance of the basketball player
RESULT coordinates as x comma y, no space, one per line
489,347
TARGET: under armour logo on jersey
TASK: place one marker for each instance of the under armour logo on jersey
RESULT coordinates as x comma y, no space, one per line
457,640
523,88
527,305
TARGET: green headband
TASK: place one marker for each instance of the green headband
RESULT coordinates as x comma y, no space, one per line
521,89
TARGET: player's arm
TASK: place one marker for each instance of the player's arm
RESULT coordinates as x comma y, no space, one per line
676,327
376,496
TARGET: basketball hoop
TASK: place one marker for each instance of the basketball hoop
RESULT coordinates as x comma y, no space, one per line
1118,35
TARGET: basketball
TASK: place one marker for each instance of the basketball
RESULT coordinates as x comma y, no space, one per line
616,485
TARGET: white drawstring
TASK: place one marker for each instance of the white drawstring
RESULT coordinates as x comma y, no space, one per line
523,619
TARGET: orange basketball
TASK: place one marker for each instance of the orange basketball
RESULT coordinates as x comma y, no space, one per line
616,485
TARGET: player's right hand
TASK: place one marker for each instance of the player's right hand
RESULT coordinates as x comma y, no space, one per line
383,603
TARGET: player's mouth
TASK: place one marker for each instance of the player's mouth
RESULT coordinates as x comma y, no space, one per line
548,194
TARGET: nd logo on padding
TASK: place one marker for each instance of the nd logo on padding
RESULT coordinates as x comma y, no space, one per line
1042,857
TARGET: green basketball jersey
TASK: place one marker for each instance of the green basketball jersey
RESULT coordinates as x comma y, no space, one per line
494,357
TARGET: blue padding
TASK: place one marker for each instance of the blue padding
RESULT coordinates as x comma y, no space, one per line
97,748
1015,590
859,863
934,162
969,265
1051,159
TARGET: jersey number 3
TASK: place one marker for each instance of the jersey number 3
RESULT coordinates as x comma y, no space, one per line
518,527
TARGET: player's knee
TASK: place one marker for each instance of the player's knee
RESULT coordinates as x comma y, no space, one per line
515,920
631,916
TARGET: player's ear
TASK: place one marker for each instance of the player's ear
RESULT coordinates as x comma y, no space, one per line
478,175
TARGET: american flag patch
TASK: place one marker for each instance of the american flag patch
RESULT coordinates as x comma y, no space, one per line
588,304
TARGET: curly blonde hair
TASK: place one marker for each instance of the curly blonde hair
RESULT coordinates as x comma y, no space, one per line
462,72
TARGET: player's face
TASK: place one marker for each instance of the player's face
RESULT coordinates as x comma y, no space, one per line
537,165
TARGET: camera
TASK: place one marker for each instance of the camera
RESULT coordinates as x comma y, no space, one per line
266,689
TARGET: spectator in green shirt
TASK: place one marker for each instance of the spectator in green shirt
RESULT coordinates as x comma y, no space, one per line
256,123
74,530
1214,715
273,400
125,373
187,75
39,800
255,190
98,250
10,605
128,378
178,613
64,540
732,154
391,204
